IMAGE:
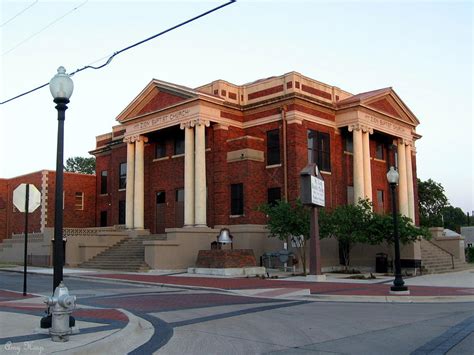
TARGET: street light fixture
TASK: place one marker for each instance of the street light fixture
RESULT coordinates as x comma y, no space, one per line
61,87
398,283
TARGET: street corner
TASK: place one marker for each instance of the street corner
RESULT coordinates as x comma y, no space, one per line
96,330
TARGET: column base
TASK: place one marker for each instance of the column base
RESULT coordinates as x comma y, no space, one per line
200,226
399,290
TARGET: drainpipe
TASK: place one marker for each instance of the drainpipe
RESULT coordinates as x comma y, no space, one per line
283,110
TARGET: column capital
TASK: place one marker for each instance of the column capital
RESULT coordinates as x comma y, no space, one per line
195,122
403,141
135,138
360,127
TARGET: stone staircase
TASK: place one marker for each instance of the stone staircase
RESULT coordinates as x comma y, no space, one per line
436,260
127,255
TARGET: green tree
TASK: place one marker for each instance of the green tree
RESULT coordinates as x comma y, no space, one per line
286,222
381,228
80,165
349,224
432,201
453,217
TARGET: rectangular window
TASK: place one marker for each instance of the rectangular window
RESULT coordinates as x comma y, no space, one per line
349,144
274,195
273,147
160,149
122,176
179,144
79,201
103,218
380,201
319,149
237,199
350,195
379,151
103,182
160,197
180,195
121,219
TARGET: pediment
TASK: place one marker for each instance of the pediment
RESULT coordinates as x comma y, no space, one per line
384,105
157,95
384,101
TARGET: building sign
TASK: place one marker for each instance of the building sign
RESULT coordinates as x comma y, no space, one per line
387,126
161,121
317,191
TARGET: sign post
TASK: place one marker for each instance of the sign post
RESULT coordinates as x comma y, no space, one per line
26,198
313,195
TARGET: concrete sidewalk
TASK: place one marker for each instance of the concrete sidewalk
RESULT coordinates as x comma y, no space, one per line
96,331
449,287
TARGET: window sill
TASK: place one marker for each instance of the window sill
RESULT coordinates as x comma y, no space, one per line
325,172
160,159
273,166
104,195
236,215
124,189
177,156
380,160
348,153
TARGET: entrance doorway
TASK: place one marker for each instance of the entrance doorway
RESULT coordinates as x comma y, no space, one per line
179,208
160,212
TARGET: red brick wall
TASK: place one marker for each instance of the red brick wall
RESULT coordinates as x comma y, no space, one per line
168,174
3,208
161,100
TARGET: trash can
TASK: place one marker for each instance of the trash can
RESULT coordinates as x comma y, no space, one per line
381,263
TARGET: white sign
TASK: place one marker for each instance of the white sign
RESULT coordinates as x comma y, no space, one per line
19,198
317,191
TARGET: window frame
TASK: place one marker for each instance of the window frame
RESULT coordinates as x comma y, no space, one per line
160,147
104,182
122,176
317,152
271,195
79,206
273,147
179,143
237,199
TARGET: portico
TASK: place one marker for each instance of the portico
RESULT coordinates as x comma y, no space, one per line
362,115
195,199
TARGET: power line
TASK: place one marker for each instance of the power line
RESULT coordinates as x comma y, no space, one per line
127,48
44,28
18,14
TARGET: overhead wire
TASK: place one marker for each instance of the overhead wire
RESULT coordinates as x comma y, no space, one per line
109,60
44,28
19,13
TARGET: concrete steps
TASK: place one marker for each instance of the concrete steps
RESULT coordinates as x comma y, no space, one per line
126,255
435,260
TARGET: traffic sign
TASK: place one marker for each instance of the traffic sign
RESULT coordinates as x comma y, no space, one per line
19,198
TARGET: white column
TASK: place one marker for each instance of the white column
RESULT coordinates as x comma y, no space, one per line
130,183
402,183
410,189
139,191
358,163
188,174
367,169
200,174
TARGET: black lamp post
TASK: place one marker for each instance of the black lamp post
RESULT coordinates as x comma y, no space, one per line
398,283
61,87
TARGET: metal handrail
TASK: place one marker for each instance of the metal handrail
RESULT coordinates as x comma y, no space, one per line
446,251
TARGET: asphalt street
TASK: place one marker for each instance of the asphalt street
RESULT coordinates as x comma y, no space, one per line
198,321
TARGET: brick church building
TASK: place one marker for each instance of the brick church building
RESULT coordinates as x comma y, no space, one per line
207,157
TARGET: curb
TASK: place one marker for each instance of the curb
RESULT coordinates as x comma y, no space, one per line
136,333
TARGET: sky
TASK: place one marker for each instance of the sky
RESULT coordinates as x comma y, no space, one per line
423,49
